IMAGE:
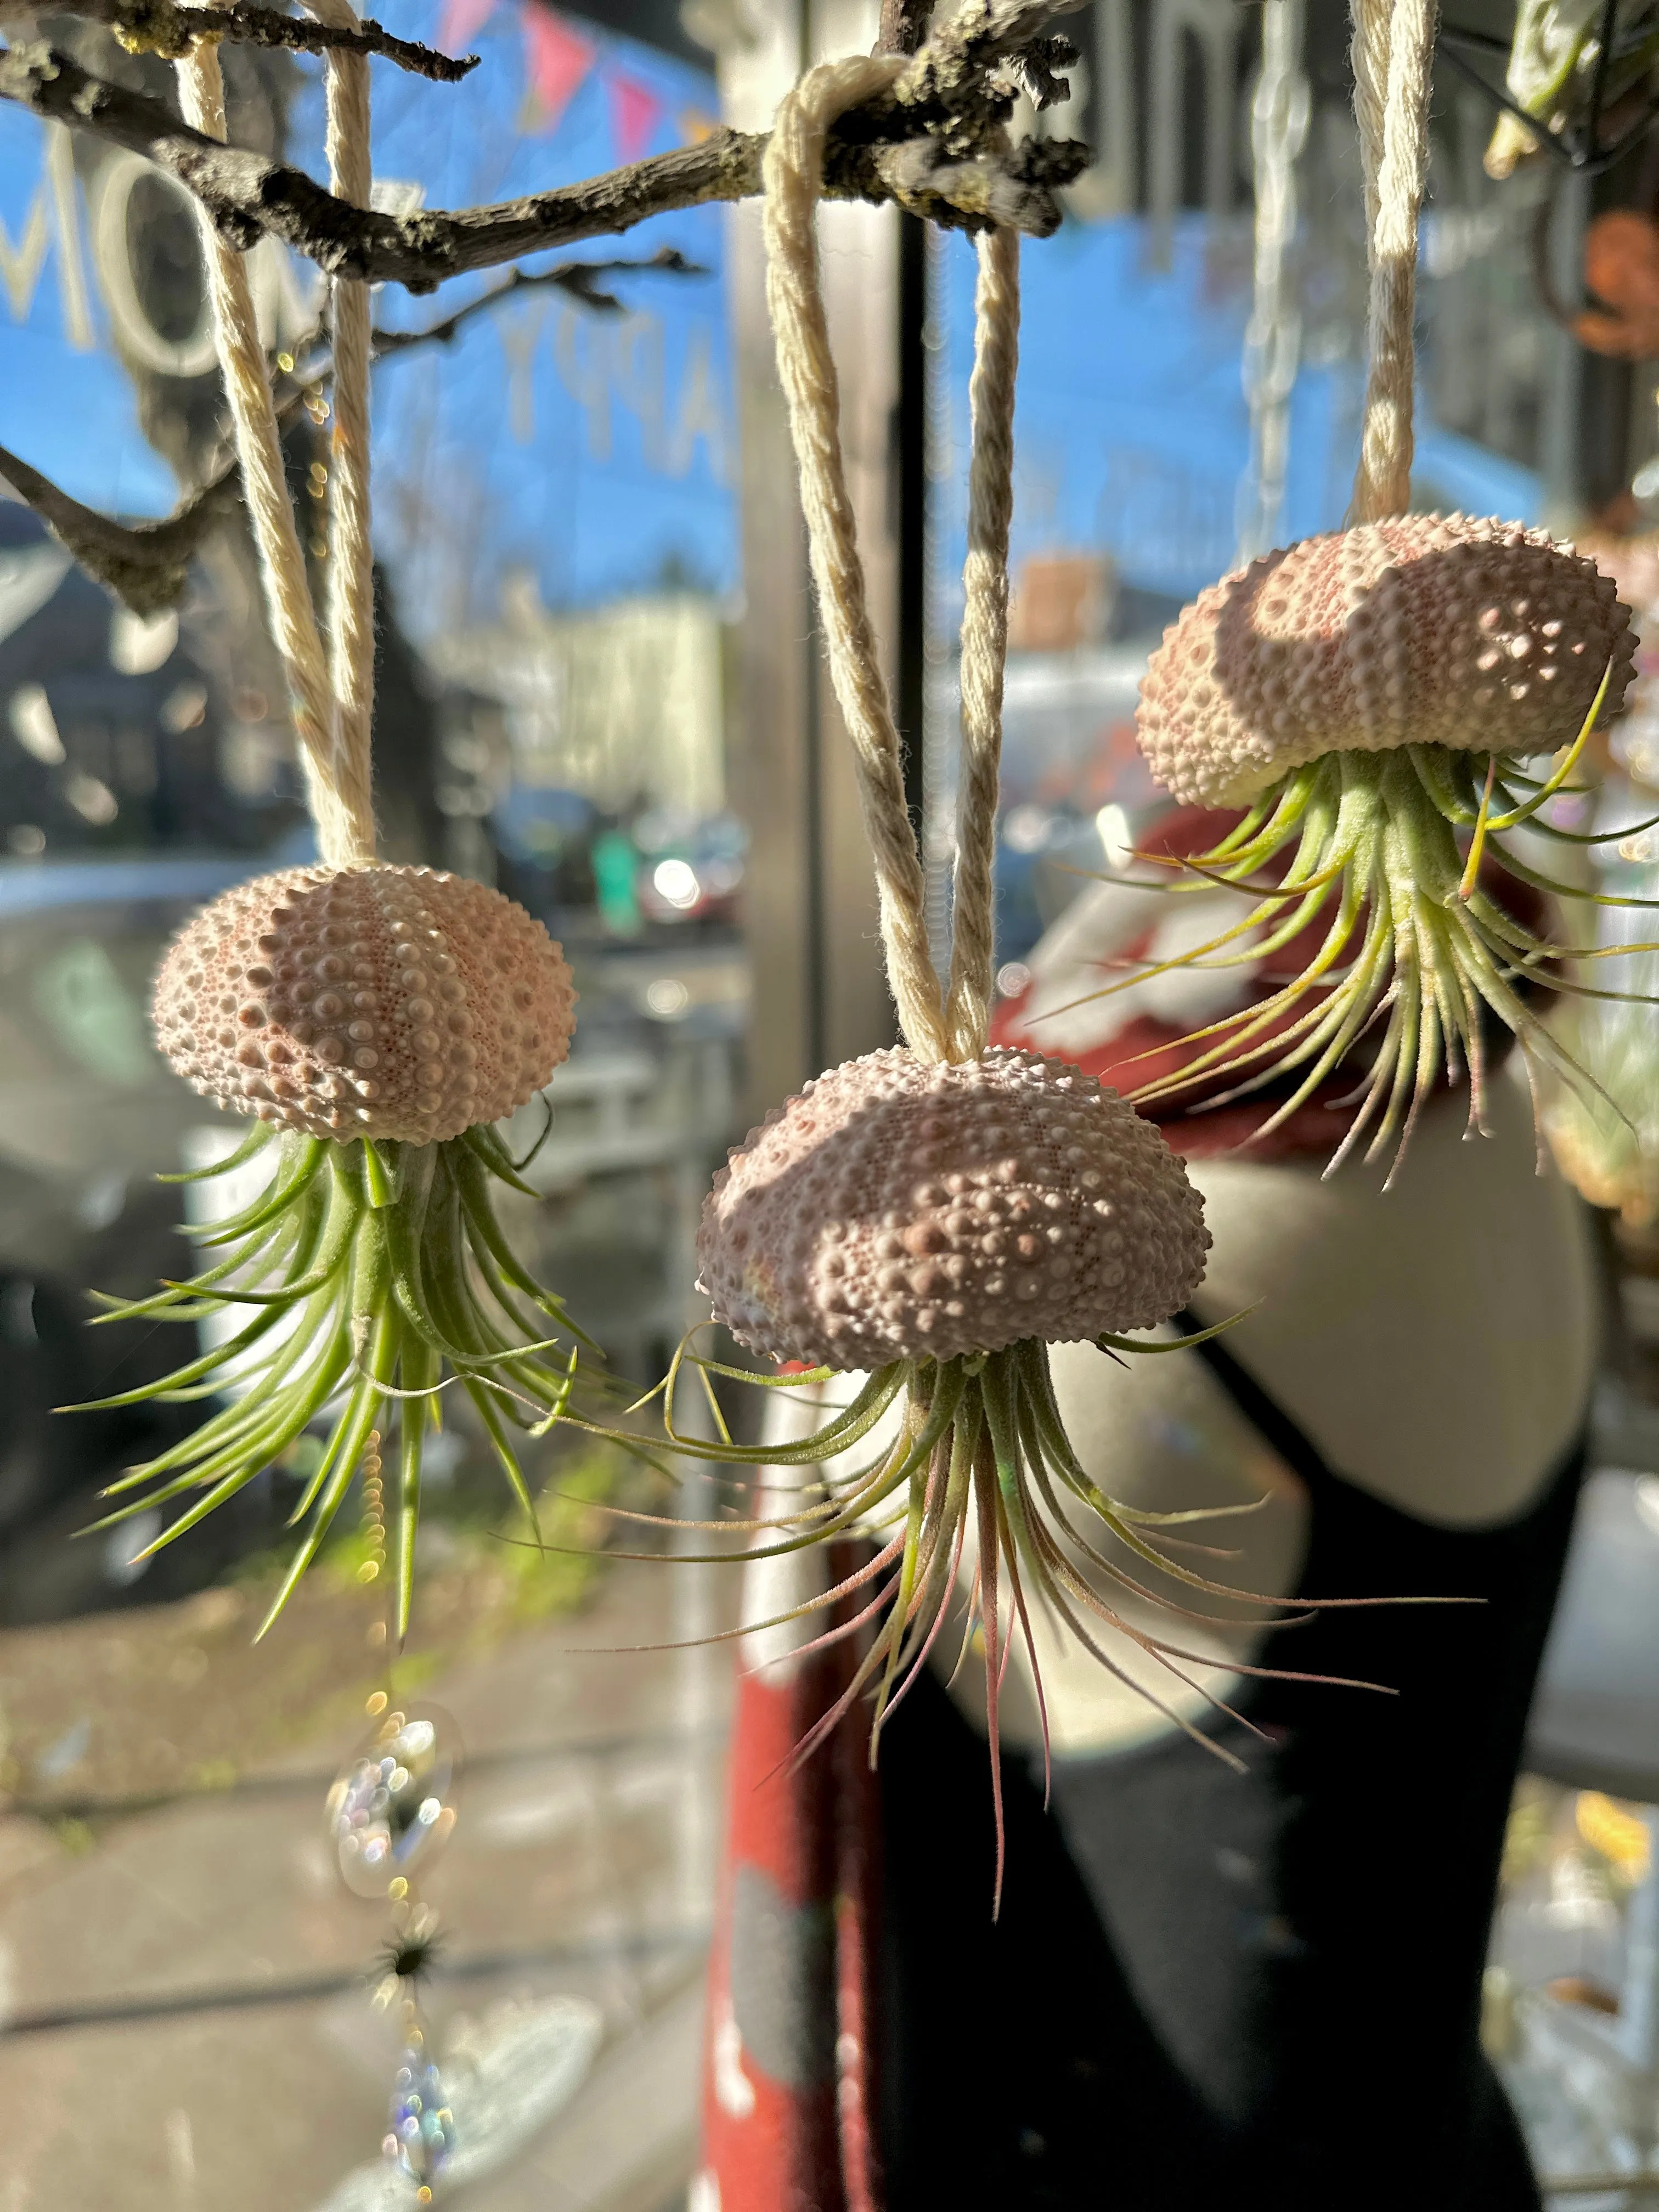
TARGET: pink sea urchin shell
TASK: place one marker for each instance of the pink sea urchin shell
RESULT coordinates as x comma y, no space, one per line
1426,630
395,1003
896,1210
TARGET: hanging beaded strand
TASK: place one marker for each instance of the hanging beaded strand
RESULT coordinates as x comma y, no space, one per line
388,1813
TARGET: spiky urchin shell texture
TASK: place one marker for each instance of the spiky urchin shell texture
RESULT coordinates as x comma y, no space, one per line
1430,629
899,1210
397,1003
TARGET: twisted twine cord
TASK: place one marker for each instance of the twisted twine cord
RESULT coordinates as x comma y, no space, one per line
984,641
338,802
1279,115
793,175
1392,53
351,567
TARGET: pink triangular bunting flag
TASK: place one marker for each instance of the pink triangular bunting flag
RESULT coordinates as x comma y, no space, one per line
558,58
636,111
461,23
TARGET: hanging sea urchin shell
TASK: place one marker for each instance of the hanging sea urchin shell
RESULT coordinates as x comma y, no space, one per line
382,1019
895,1210
941,1224
1372,696
1480,635
397,1003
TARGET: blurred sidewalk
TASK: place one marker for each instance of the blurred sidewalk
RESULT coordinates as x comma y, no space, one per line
185,2016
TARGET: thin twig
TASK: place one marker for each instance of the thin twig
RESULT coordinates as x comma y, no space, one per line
580,278
935,142
160,27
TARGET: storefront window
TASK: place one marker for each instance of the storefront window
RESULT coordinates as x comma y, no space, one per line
599,689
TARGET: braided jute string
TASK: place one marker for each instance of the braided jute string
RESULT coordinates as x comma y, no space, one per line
984,641
1392,53
336,781
351,565
793,174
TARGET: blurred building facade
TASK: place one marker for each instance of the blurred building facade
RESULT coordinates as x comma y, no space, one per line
624,706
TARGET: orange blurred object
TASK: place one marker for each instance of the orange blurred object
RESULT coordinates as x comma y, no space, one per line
1621,271
1060,601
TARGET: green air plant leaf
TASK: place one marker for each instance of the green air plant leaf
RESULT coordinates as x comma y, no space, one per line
1370,699
377,1021
366,1301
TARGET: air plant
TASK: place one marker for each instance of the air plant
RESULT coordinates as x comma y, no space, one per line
1371,699
1608,1144
935,1227
376,1022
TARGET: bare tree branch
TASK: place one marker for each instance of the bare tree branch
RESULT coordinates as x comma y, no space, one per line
146,564
160,27
933,143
